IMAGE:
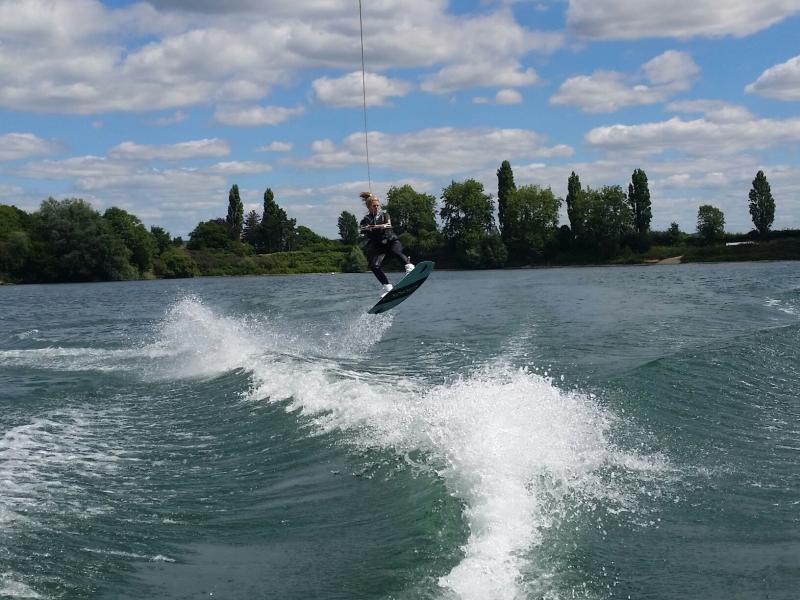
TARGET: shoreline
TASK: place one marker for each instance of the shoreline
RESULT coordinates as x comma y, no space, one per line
670,261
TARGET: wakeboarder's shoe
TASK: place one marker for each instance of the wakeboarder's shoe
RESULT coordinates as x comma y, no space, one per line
387,287
409,268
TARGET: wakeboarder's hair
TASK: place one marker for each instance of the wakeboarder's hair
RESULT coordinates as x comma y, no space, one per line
368,197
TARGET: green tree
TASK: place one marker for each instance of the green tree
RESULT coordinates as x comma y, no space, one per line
13,219
674,234
355,261
639,201
466,209
564,238
574,201
413,218
468,225
161,237
213,234
531,222
710,223
304,237
348,228
505,188
411,211
77,244
235,218
762,204
493,251
278,230
15,251
15,243
608,218
139,241
252,229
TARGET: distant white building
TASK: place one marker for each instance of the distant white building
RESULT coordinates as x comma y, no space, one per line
739,243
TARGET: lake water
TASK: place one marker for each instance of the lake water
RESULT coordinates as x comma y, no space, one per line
594,433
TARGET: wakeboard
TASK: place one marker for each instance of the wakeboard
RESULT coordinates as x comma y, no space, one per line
407,286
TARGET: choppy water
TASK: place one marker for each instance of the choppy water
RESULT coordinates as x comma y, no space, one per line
568,433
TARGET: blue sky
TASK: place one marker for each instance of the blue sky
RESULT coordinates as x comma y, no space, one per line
160,107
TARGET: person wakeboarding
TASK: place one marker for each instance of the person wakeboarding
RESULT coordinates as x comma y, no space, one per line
376,227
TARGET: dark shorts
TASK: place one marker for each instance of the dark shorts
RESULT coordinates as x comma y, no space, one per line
376,252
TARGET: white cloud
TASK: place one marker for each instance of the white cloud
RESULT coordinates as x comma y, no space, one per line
672,69
49,22
79,56
177,117
82,168
607,91
696,137
173,198
12,194
506,96
442,151
15,146
712,110
204,148
239,168
275,147
638,19
781,82
687,181
256,116
603,91
273,7
348,91
475,74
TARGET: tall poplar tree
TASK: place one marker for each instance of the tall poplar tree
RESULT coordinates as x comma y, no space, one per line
276,227
573,200
505,187
639,201
762,204
235,218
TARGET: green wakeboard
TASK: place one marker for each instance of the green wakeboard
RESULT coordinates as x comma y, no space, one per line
407,286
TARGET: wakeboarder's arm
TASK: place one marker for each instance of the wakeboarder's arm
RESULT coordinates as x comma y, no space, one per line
367,226
371,227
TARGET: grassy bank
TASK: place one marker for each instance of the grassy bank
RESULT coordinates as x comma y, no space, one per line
218,263
779,249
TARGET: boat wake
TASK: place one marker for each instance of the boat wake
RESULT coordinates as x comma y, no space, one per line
521,454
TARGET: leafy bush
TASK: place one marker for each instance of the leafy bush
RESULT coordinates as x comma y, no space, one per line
355,261
176,263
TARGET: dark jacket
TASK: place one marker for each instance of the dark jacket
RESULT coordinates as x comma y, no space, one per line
378,237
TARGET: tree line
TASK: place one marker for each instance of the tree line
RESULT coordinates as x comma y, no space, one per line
67,240
605,223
